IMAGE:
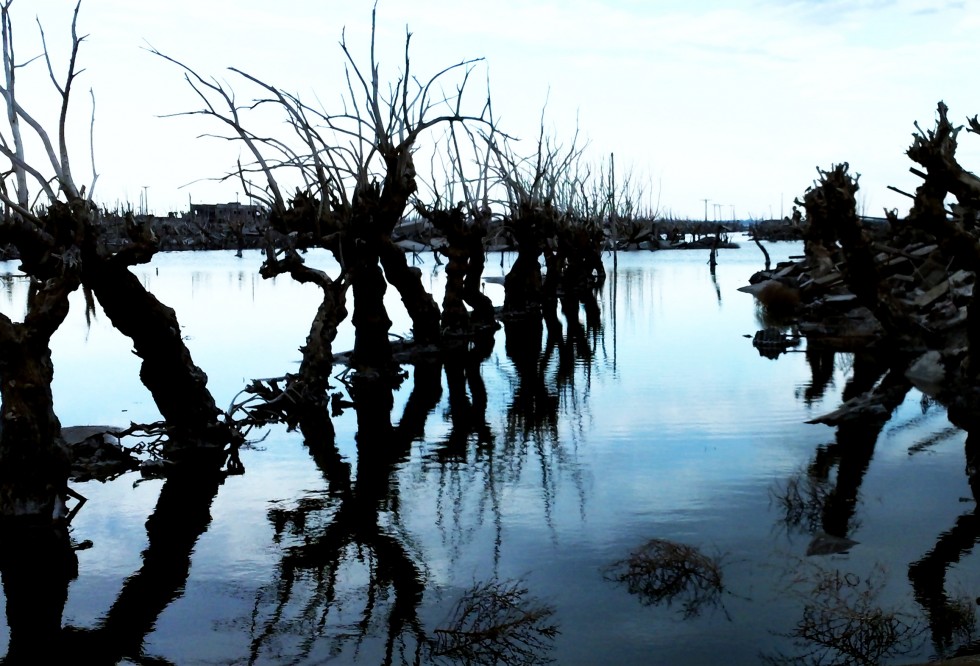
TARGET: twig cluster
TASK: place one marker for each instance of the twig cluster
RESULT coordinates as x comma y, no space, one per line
663,571
842,622
497,623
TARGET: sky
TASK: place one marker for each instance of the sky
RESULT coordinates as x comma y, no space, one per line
736,103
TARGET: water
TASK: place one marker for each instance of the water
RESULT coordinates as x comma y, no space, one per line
665,424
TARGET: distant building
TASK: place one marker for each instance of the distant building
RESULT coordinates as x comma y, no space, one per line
225,211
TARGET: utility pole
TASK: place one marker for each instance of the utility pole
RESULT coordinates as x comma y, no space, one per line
145,203
705,208
612,208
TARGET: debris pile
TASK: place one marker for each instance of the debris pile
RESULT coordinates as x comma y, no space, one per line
904,287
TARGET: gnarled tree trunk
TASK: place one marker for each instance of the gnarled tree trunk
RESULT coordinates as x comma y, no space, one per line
34,460
178,386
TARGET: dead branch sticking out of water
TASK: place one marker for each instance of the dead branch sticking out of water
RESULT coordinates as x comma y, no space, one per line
842,622
497,623
663,571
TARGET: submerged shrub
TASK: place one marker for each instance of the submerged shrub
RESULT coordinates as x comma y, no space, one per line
663,571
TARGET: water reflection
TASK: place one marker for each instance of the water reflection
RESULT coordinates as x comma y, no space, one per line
952,618
809,500
36,563
497,623
843,620
354,531
350,533
37,571
478,471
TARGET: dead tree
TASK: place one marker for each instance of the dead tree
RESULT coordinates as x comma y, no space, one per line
935,151
355,174
60,246
831,216
543,216
33,457
464,227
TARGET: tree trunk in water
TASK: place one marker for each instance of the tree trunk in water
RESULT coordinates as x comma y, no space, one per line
455,316
372,349
37,563
483,313
418,302
34,460
522,285
317,363
178,386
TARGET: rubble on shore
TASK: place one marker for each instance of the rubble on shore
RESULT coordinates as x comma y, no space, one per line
903,289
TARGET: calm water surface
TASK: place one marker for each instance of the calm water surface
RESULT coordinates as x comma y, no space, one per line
664,423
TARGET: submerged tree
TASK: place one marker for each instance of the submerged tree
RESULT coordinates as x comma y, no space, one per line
843,621
355,174
540,190
663,571
61,246
497,622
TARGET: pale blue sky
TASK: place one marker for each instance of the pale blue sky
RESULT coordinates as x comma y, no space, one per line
736,102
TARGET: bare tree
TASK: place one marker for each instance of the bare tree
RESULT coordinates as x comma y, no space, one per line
462,214
544,209
353,172
60,247
33,456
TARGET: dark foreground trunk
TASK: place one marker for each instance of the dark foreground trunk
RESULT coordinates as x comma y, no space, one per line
33,457
372,349
522,286
36,563
178,386
419,304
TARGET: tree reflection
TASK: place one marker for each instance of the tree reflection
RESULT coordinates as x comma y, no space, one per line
822,363
467,411
810,500
842,621
181,516
351,533
496,623
473,466
952,620
38,563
